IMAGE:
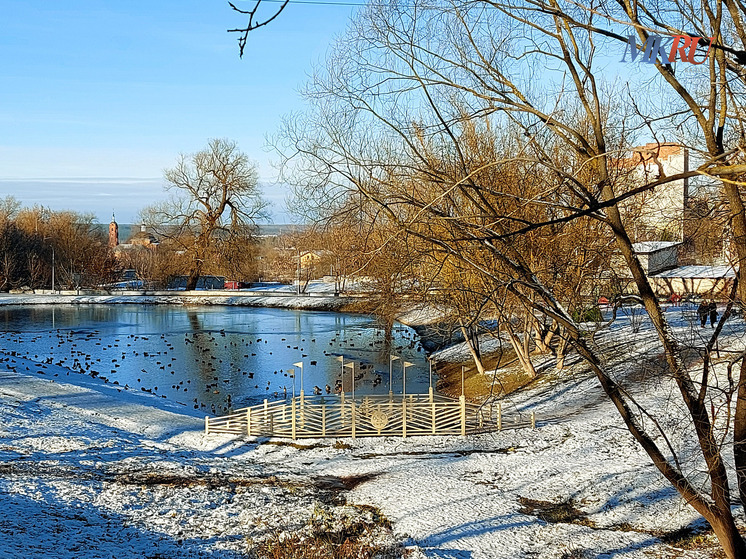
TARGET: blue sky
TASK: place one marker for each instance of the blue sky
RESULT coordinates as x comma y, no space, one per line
97,98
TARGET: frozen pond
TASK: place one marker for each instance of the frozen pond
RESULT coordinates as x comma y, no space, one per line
213,358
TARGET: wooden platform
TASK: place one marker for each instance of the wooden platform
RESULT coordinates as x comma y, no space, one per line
366,416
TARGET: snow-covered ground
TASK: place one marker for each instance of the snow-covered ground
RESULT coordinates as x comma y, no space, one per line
87,471
316,295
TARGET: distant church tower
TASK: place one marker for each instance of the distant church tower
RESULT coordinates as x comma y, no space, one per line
113,232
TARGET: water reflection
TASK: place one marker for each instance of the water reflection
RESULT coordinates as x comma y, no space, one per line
213,358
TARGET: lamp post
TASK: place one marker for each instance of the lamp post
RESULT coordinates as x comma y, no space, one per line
300,364
298,271
392,358
46,239
430,364
351,364
404,366
291,372
342,359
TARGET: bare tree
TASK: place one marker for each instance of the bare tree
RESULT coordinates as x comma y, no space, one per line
390,122
255,20
215,200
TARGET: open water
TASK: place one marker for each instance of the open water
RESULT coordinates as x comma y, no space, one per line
215,358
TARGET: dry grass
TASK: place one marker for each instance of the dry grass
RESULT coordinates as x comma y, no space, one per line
476,386
559,512
692,539
358,532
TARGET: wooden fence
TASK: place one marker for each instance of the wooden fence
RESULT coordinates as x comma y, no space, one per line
366,416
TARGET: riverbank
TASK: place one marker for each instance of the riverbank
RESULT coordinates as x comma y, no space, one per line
423,319
84,470
310,301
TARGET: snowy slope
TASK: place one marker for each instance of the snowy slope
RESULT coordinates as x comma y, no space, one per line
87,471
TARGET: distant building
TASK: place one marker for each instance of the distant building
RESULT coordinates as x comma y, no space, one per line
660,260
312,257
113,233
657,214
143,238
657,256
203,282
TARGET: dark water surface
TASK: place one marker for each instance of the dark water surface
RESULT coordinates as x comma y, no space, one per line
213,358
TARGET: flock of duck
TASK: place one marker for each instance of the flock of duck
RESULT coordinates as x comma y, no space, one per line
222,361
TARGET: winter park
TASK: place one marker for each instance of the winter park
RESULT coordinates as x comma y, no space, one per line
360,279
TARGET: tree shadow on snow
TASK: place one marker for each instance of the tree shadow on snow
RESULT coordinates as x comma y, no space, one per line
43,525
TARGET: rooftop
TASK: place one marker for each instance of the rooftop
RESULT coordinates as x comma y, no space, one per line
647,247
698,272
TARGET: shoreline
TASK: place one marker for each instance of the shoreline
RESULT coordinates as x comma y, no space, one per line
421,320
222,298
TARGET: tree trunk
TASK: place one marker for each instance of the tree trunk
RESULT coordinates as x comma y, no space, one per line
562,346
728,536
739,434
473,349
523,356
738,225
192,279
542,337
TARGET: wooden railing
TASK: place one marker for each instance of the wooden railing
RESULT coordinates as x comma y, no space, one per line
366,416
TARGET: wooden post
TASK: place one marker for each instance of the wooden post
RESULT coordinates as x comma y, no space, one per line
207,425
323,420
342,407
462,404
533,420
499,416
430,393
266,410
403,418
353,419
292,418
248,421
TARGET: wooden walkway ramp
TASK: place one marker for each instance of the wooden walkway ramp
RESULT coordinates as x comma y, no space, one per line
365,416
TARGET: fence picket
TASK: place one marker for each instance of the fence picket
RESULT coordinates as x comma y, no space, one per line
372,415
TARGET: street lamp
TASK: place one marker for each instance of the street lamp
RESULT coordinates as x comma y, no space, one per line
300,364
342,359
404,366
291,372
298,272
430,363
46,239
351,364
392,358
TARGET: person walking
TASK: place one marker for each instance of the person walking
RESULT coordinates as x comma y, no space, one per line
702,311
713,308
